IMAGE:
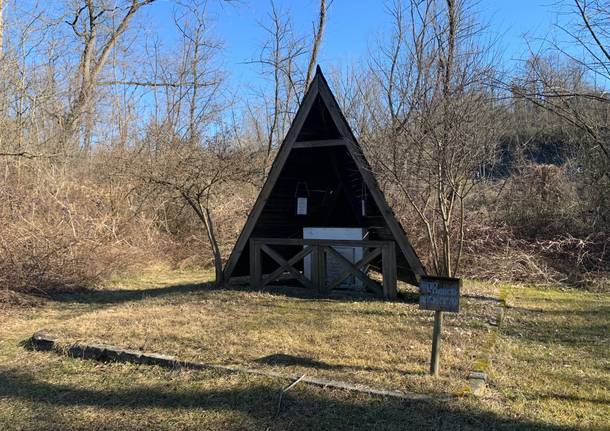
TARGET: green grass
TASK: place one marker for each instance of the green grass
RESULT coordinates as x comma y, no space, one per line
553,357
531,386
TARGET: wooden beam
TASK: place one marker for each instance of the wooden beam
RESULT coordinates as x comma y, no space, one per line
281,261
323,242
321,263
255,264
320,143
368,258
318,277
354,270
388,265
300,255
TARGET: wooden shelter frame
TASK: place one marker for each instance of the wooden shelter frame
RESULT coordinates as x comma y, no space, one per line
319,88
319,249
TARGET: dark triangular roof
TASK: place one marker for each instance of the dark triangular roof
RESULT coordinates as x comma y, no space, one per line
320,122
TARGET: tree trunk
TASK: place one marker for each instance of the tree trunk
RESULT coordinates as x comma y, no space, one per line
209,224
91,67
445,190
317,40
206,218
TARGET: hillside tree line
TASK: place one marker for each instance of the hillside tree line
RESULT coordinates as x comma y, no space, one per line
120,148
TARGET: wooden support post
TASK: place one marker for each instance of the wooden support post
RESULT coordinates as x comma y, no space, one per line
279,259
321,269
317,269
313,270
252,263
256,270
388,268
294,259
436,343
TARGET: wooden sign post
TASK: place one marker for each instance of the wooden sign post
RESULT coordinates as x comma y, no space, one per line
439,294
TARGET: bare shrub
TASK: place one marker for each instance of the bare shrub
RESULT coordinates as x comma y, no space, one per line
46,238
538,201
65,230
495,252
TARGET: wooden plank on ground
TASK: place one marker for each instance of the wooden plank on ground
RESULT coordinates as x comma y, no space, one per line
105,352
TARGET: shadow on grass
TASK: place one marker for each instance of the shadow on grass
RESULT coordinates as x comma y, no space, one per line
283,359
294,290
115,296
291,360
191,402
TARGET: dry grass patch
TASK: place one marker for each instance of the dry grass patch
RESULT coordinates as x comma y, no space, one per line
382,344
550,371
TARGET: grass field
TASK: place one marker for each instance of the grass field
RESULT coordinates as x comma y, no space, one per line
550,367
553,357
381,344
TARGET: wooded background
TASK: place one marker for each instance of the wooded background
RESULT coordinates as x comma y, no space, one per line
119,151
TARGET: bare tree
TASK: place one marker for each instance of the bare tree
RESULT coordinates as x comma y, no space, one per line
281,62
567,78
88,23
436,124
279,59
582,104
197,175
181,160
190,156
317,40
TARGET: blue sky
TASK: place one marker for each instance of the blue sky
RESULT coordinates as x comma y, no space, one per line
353,26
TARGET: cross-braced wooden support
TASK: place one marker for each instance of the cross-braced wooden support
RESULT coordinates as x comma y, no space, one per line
319,250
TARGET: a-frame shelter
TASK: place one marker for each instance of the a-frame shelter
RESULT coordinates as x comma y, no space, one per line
320,160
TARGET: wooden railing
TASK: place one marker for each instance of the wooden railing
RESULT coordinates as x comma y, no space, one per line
319,249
